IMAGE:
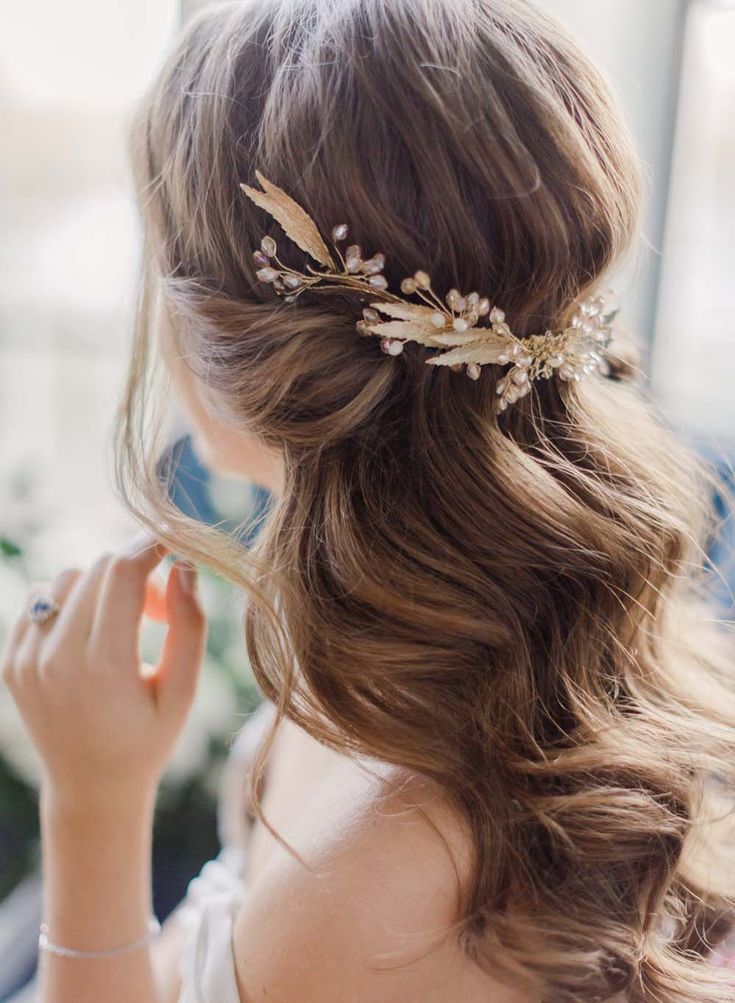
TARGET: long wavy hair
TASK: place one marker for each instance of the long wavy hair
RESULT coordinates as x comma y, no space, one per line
506,604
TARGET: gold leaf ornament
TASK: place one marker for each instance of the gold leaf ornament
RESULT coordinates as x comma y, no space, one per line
295,221
452,339
407,311
490,350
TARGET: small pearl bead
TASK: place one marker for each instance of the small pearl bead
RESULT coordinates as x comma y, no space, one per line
460,324
473,371
396,347
391,346
373,265
268,246
496,316
438,319
422,279
503,358
267,274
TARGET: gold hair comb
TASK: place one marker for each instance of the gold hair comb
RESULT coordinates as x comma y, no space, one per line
452,326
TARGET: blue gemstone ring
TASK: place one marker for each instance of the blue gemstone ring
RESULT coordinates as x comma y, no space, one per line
43,607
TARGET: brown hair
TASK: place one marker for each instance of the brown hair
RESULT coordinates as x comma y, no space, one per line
514,586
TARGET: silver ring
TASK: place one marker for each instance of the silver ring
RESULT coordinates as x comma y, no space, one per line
42,607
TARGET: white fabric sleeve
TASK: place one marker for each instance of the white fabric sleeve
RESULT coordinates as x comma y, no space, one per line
207,965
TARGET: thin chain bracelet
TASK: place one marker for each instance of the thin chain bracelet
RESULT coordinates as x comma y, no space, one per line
44,944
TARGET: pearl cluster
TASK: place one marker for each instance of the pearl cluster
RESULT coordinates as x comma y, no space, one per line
571,354
460,314
354,262
289,283
464,311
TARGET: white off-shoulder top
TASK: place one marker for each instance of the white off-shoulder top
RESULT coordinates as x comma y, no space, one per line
207,965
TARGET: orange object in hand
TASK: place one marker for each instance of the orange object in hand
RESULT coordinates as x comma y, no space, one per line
155,602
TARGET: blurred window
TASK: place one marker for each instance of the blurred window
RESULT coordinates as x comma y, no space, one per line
694,355
68,258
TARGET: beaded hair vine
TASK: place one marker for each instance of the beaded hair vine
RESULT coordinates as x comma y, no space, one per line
452,327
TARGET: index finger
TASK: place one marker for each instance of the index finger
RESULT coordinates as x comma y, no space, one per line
122,596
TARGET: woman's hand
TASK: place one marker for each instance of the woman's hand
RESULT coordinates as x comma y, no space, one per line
104,727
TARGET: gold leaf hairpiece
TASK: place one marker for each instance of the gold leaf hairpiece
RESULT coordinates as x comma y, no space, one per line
453,326
296,223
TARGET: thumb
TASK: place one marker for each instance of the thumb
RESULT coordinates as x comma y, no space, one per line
184,646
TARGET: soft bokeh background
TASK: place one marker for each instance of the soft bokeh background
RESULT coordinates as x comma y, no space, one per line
69,74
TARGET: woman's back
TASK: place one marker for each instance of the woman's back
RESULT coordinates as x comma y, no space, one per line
374,919
331,810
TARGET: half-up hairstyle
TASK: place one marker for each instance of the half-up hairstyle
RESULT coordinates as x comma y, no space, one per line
502,603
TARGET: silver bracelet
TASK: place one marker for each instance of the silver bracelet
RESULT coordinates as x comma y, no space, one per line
44,944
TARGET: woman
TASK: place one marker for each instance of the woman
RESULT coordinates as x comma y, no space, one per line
498,712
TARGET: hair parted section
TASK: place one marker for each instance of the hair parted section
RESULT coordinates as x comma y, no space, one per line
518,587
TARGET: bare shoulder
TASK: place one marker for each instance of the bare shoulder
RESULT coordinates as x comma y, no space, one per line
369,915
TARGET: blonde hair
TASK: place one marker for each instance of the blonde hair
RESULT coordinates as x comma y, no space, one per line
494,602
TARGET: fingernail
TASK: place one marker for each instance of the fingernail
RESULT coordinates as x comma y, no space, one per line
140,541
188,576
